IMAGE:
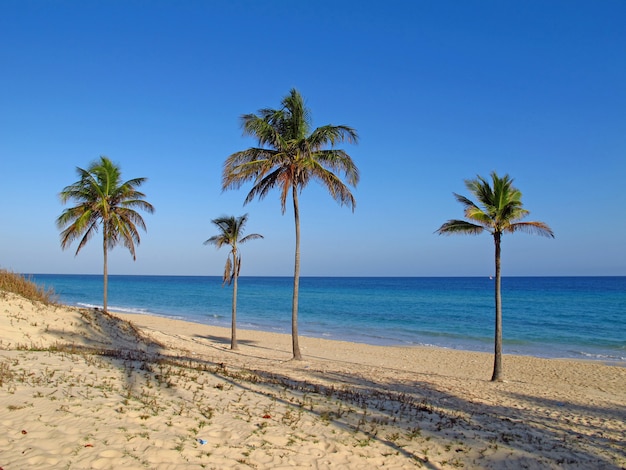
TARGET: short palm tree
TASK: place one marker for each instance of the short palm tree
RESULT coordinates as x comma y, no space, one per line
288,157
499,210
231,231
103,200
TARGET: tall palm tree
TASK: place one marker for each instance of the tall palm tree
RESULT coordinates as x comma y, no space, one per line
499,210
231,231
103,200
289,156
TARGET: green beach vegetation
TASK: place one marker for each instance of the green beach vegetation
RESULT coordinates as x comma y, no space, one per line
289,156
103,200
231,233
499,210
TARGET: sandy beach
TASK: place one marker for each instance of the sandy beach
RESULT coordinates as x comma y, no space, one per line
84,390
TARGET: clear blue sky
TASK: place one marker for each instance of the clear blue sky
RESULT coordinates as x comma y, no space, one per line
439,91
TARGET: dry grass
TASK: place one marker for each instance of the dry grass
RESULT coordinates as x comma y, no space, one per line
21,285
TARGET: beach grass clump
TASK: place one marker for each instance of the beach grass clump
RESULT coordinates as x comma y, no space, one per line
6,374
25,287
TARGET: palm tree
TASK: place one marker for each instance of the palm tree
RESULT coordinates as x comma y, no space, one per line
499,210
231,230
289,156
103,200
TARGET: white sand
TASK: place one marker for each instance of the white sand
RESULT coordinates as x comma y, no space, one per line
80,390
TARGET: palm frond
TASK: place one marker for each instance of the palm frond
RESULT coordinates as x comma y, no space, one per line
252,236
296,122
228,270
237,266
261,129
266,184
87,234
465,201
248,165
337,189
331,135
478,216
337,160
533,228
455,226
480,188
216,240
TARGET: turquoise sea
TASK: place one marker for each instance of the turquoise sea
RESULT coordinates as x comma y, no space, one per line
572,317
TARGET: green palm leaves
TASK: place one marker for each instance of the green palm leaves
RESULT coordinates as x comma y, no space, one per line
103,200
499,210
289,156
231,233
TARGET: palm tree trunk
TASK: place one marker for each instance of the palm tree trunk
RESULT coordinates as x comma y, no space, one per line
296,281
497,362
233,327
105,269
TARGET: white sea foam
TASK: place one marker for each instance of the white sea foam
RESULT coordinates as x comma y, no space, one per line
113,308
83,305
602,357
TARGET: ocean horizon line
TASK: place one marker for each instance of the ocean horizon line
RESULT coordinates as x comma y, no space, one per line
540,276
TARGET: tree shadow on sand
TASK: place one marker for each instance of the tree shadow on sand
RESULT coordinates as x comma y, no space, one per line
226,340
94,330
437,425
534,433
414,418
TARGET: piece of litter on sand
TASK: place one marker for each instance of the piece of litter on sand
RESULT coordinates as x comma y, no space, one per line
201,441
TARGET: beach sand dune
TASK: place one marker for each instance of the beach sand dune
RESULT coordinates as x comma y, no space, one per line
83,390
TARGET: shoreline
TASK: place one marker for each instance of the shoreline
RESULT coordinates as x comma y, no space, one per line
617,362
459,316
136,391
453,313
277,347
